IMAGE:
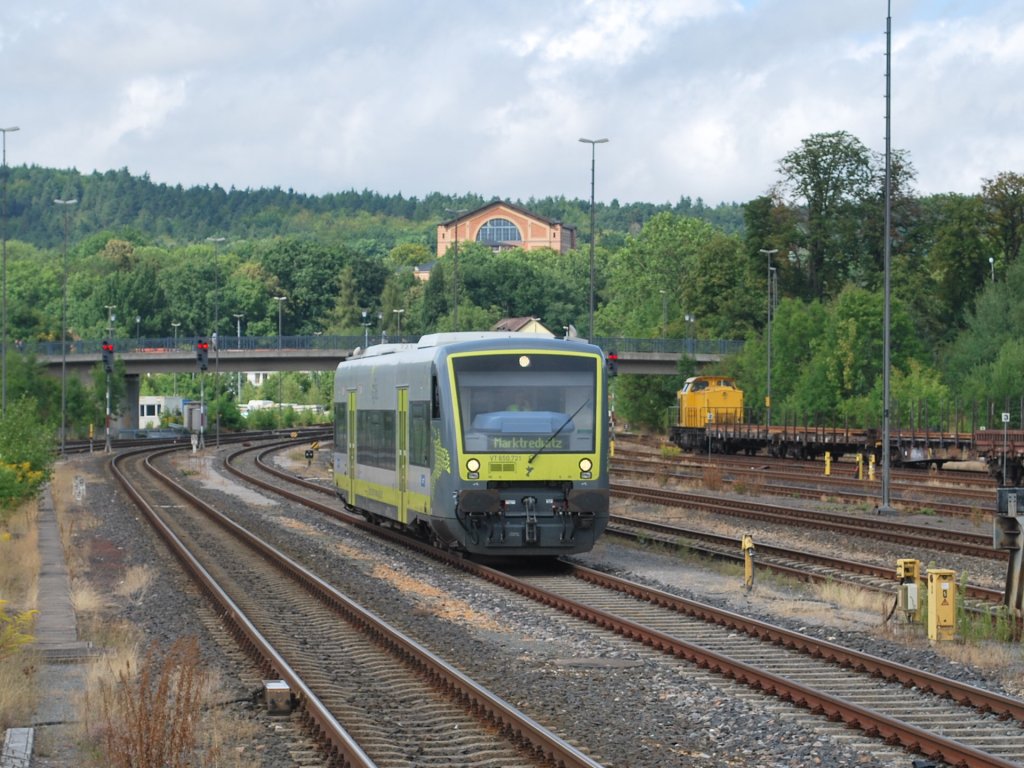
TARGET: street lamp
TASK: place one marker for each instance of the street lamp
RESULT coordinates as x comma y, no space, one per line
110,335
593,157
455,266
216,283
64,204
3,334
138,322
238,333
280,384
398,313
992,267
280,303
769,252
366,329
111,317
175,325
664,312
691,319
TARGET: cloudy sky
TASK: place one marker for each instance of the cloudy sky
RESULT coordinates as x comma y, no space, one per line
698,98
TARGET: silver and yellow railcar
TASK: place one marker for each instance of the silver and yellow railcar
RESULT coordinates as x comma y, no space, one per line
489,443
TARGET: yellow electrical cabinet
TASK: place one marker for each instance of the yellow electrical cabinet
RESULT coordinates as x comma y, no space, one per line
941,604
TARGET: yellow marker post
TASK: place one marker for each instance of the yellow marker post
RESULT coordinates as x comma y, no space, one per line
828,463
941,604
860,466
747,545
871,467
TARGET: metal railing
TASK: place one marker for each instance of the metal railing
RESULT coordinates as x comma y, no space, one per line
225,344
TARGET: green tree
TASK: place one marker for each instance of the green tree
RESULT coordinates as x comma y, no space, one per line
829,176
1004,199
26,453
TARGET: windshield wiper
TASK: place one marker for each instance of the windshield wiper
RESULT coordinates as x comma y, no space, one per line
555,433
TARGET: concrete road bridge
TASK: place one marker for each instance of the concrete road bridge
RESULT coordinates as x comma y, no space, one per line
320,353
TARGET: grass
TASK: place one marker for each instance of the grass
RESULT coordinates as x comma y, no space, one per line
712,477
159,710
19,592
136,582
147,715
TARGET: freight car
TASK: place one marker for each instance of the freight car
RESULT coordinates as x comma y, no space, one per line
710,417
486,443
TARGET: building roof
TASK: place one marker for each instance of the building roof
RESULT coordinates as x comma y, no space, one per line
513,206
520,324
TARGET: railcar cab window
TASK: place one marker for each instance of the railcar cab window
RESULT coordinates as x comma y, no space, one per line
513,403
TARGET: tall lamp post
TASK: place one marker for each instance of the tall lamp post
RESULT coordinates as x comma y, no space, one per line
992,267
593,158
664,312
64,204
398,314
238,334
3,334
280,385
366,329
175,325
110,335
769,252
455,266
217,241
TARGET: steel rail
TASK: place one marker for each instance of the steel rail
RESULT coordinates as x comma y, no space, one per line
341,745
873,723
727,542
483,702
868,527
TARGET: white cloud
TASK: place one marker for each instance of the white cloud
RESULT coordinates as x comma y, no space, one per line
698,97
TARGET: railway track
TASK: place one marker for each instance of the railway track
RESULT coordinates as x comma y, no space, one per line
972,506
868,526
804,566
923,712
341,662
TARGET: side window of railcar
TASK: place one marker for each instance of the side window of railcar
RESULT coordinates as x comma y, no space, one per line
435,396
375,438
419,433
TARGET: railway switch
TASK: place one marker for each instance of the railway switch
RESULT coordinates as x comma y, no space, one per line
908,571
941,604
747,545
1008,534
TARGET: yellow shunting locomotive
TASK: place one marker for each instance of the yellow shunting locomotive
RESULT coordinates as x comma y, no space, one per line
705,402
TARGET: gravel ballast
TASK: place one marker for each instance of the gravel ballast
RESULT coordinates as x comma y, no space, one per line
624,704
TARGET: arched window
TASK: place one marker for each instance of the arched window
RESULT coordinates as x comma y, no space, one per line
497,231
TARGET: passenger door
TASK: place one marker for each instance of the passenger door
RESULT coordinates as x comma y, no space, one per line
402,459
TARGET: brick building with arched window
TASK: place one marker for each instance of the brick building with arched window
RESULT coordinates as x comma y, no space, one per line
501,226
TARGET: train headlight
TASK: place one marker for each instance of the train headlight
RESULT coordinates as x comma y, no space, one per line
585,466
473,468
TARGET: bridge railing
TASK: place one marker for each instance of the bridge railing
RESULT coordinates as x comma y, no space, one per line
159,344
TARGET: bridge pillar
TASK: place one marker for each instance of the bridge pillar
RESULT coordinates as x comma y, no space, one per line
129,418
